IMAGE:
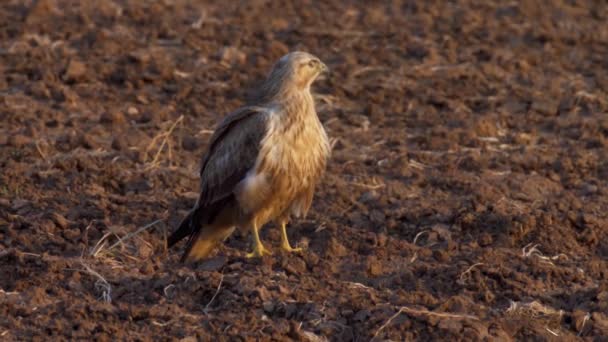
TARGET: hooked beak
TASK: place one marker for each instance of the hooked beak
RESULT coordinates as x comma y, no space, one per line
323,71
323,68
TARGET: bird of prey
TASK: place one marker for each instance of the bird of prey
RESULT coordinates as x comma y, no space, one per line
262,164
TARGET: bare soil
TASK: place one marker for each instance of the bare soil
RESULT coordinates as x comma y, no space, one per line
466,198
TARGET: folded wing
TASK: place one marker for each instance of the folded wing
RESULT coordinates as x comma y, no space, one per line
232,152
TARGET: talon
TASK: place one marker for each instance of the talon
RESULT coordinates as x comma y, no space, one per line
258,252
258,249
288,248
285,241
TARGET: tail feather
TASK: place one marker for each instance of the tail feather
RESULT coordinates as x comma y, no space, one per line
186,228
198,248
206,228
205,240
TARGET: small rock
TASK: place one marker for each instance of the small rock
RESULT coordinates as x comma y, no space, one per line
138,186
115,118
75,72
75,286
263,293
284,290
213,264
290,310
377,217
374,267
140,56
59,220
381,239
147,268
347,313
485,239
39,11
276,48
362,315
144,251
442,231
146,117
545,106
71,234
295,266
441,256
20,203
230,55
579,321
119,143
369,197
132,111
142,99
451,325
589,189
19,140
336,248
268,306
87,141
190,143
523,139
486,127
600,321
39,90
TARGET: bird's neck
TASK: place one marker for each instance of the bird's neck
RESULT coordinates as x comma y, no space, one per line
296,102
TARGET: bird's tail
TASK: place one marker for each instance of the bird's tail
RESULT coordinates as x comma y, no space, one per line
202,243
204,237
185,228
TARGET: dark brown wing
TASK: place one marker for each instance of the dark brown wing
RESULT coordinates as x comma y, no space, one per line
232,152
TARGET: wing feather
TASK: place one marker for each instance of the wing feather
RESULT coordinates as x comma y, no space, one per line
232,153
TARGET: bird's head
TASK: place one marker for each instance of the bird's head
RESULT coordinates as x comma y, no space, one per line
294,72
299,68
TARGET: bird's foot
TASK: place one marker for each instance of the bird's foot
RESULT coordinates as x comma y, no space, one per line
258,252
288,248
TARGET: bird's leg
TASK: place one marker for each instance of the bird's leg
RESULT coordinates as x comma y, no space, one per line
258,248
285,242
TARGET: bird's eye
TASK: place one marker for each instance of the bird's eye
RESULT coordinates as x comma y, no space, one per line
313,63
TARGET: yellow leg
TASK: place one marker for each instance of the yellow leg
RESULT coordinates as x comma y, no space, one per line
285,242
258,248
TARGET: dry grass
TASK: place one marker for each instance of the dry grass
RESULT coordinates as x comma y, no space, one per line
585,320
161,140
101,283
217,291
424,311
419,235
373,185
43,154
531,250
537,311
415,256
464,276
417,165
533,309
100,249
312,337
354,285
10,293
166,290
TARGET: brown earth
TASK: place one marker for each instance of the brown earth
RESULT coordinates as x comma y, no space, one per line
466,198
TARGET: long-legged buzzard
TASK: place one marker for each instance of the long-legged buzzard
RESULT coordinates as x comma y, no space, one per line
263,162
